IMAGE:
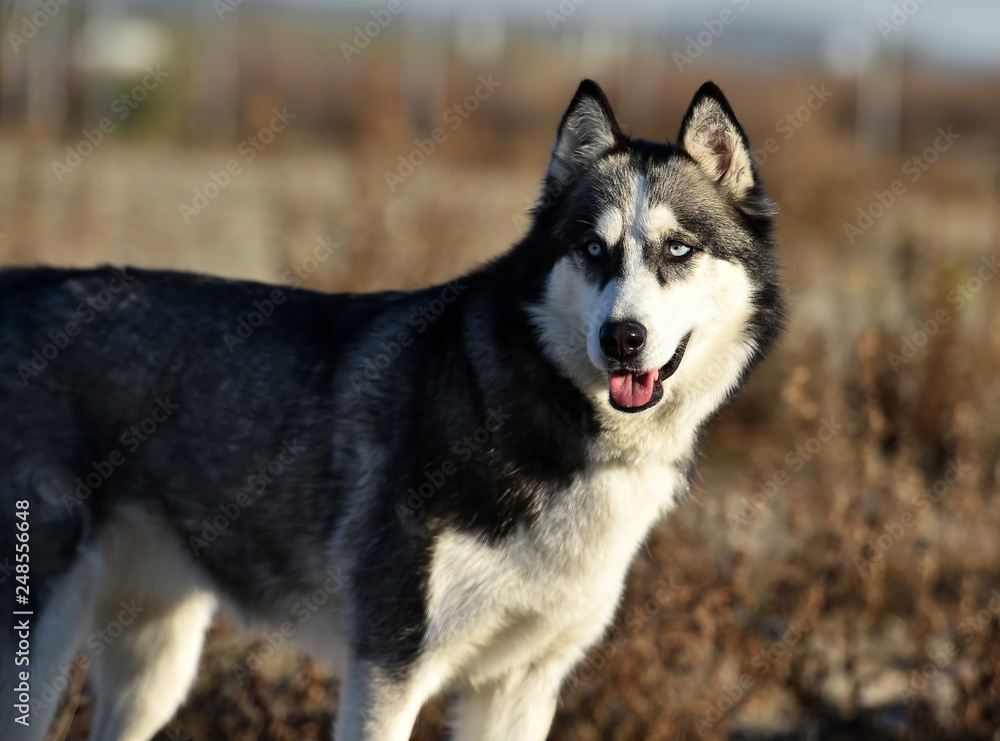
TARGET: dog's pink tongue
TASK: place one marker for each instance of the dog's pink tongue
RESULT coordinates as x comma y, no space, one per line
632,389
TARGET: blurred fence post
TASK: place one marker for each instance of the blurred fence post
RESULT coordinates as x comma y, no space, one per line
214,91
880,85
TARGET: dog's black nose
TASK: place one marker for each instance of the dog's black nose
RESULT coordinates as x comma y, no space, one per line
622,340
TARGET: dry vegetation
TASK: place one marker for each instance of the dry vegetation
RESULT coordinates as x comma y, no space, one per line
759,609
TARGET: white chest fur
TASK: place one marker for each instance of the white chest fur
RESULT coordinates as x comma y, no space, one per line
548,592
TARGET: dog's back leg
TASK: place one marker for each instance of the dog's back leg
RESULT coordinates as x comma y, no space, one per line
151,614
143,674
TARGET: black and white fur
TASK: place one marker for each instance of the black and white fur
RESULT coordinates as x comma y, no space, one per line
647,263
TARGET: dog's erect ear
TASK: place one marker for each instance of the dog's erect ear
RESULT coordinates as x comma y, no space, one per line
587,130
715,140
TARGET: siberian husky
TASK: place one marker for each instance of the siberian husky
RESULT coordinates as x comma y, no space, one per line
432,489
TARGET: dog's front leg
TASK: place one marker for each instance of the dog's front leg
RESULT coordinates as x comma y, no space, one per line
519,706
376,704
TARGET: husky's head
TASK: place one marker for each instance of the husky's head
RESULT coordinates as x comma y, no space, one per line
663,284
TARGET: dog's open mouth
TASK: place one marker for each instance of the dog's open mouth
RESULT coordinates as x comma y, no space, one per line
632,391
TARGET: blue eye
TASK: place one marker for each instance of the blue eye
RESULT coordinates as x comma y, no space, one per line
595,249
679,249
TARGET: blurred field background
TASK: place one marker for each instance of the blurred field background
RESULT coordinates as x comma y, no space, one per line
836,572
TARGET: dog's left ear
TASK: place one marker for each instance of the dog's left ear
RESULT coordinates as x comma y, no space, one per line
715,140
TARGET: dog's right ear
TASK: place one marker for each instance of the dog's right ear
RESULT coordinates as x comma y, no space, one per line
588,129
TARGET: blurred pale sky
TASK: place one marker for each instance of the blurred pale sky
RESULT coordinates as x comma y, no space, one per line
952,34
